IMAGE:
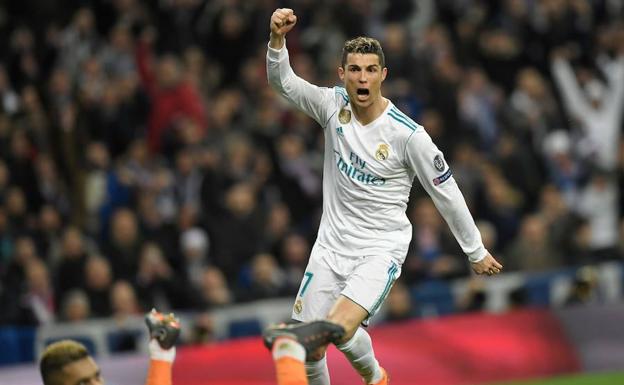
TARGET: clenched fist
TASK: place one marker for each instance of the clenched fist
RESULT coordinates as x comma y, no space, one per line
282,21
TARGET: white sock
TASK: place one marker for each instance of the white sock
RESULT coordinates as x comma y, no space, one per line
359,351
317,372
286,347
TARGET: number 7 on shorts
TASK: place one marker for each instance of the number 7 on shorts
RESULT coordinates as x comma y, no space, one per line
308,278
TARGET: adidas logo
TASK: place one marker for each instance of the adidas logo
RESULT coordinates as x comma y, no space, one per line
339,131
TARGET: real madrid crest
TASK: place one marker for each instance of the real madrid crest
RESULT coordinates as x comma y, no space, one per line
298,306
344,116
383,151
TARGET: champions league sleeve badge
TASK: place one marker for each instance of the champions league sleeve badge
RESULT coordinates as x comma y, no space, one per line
344,116
438,163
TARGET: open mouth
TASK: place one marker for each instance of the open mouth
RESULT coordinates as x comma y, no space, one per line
362,91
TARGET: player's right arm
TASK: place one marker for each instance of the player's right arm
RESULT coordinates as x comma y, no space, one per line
313,100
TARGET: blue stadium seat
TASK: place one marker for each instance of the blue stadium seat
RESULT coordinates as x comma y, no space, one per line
18,345
538,290
123,341
538,286
244,328
26,339
10,352
433,297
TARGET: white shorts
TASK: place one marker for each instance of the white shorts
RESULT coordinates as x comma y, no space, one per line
366,280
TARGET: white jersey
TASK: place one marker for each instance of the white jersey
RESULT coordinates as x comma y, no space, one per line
368,172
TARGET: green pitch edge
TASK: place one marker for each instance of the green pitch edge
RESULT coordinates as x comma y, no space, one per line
583,379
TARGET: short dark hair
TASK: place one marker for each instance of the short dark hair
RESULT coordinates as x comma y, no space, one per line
57,355
363,44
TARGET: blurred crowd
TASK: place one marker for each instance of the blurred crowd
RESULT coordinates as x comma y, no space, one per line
144,161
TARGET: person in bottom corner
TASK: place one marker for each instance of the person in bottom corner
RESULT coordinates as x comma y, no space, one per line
68,362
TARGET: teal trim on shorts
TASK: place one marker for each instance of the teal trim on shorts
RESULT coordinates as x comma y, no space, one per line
391,272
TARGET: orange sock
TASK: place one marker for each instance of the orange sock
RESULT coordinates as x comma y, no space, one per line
290,371
159,373
289,357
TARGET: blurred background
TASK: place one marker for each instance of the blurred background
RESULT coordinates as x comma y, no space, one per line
145,162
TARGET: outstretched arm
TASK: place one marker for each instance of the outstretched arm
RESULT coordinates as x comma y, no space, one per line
568,85
164,331
428,163
615,75
313,100
160,365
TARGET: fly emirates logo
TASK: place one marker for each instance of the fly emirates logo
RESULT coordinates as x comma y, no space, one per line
355,169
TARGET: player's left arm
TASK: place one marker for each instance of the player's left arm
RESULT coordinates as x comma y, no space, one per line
428,163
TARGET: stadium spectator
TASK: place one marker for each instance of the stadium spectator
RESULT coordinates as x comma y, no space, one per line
598,204
124,245
37,304
584,288
172,97
98,283
399,306
213,289
532,250
70,271
195,245
75,307
293,255
23,253
156,283
123,301
264,279
241,216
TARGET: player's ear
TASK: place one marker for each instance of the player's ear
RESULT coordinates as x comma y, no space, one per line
384,73
341,73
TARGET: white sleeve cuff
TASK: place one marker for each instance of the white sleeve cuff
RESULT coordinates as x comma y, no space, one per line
477,255
277,54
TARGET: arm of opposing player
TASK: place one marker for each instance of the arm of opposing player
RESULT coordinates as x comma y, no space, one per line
160,365
427,162
315,101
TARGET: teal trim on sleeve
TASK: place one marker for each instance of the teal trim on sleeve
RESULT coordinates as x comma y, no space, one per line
401,120
342,92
